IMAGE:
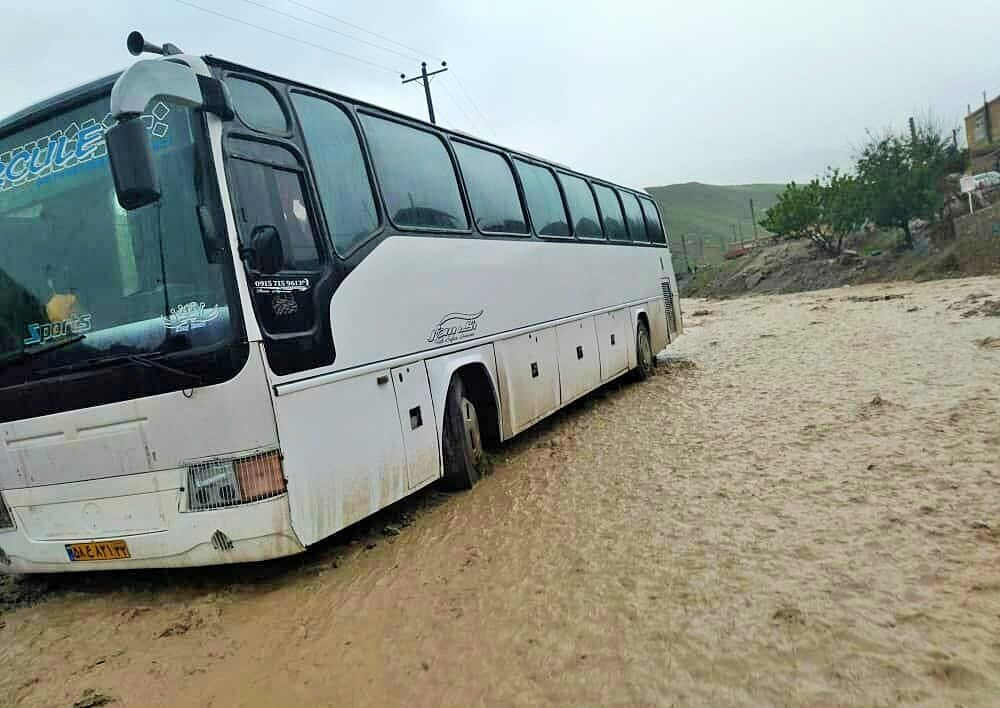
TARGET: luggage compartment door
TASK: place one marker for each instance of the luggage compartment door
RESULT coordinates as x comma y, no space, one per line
614,342
416,416
529,378
579,360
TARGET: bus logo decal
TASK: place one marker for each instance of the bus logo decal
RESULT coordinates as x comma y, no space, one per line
454,327
69,147
193,315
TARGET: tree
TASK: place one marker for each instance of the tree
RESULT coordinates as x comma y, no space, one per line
898,177
797,212
842,205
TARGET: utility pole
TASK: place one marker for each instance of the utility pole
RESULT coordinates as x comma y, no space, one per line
753,219
684,250
425,79
740,225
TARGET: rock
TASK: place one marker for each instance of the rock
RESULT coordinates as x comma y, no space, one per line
370,545
980,525
92,699
390,530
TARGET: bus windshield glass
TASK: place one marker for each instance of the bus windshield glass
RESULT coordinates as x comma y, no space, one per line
83,280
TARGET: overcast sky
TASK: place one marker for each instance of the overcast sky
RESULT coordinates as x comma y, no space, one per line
642,92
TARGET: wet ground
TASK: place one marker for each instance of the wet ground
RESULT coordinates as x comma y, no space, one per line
802,508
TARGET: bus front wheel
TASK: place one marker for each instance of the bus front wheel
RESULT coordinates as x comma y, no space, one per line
462,441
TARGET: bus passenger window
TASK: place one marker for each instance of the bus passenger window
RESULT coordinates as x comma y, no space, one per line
416,175
545,204
341,176
653,225
633,214
496,207
611,211
582,209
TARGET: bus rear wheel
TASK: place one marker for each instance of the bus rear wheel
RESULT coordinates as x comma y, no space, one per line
643,354
462,440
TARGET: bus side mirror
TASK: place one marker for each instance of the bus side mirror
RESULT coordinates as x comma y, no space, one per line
267,253
130,152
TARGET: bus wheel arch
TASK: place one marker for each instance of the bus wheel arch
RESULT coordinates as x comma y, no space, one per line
480,389
468,425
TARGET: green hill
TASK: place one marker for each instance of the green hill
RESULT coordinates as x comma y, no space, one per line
707,213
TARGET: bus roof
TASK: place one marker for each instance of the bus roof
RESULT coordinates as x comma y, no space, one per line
39,111
80,94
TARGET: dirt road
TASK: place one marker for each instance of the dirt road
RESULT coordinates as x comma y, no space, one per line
804,510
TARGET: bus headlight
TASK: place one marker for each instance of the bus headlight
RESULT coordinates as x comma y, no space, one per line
221,483
6,518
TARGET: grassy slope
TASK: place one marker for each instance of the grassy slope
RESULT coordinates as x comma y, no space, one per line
706,213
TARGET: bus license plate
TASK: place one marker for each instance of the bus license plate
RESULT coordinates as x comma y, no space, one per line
98,551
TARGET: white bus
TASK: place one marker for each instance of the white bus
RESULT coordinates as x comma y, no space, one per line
239,313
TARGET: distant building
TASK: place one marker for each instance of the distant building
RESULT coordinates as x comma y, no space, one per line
982,132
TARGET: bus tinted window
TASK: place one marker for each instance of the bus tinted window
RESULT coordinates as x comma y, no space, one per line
257,106
283,206
496,207
545,204
611,211
341,176
582,208
633,215
653,226
416,175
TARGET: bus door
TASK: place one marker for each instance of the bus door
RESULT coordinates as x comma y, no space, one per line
290,274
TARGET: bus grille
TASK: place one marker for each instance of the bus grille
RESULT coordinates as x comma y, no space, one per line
668,306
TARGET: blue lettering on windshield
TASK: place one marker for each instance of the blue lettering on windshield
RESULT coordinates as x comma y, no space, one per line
72,146
88,140
49,331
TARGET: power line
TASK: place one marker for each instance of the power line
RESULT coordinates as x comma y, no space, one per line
482,115
413,51
288,36
326,29
417,53
451,97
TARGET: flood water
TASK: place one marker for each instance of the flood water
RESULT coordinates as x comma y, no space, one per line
799,509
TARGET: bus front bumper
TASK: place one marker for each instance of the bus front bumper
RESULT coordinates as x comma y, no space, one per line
168,538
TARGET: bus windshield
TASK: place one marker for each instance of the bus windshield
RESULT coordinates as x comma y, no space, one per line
81,279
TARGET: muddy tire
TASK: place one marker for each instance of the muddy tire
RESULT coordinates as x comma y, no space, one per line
462,440
643,354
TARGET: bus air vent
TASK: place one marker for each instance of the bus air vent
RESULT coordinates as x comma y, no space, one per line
668,306
221,542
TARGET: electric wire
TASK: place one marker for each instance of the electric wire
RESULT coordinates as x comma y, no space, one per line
290,37
417,53
290,16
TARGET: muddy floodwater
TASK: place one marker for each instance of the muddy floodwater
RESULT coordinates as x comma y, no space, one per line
802,508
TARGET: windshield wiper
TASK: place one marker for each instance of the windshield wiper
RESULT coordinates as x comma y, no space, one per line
18,356
144,360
